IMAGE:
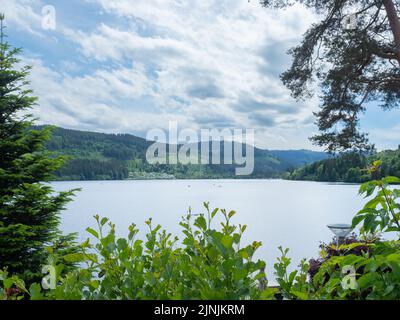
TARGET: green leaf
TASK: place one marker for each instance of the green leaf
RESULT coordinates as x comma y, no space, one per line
239,274
95,284
93,232
377,163
292,276
373,203
121,244
236,238
269,293
367,188
103,221
367,280
391,179
74,257
8,283
300,295
227,241
244,254
201,223
231,213
35,292
357,219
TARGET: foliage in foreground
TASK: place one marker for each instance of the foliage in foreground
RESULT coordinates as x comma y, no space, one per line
211,263
208,264
366,269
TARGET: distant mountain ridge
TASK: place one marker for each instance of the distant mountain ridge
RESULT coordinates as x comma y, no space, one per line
102,156
297,158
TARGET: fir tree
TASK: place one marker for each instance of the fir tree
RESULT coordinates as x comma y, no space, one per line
29,207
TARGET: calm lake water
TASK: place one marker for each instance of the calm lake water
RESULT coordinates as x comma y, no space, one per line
291,214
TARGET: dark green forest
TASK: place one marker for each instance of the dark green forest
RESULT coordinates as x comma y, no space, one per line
100,156
348,167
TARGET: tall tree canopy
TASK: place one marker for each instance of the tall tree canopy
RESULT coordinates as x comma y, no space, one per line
353,52
29,208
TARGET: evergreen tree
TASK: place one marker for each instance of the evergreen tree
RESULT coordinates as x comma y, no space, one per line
29,208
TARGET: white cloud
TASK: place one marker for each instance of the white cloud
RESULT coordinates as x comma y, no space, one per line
386,138
219,41
21,14
91,102
197,62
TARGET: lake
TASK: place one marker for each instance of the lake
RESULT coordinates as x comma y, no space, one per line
291,214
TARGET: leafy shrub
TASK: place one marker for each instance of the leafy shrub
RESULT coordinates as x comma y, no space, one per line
377,274
382,212
11,287
353,245
208,264
365,268
292,285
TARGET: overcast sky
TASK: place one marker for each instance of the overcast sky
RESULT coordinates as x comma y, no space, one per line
128,66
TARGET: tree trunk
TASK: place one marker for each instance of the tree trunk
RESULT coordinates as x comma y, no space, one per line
394,25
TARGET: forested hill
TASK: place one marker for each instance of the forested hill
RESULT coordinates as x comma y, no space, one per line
349,167
297,158
100,156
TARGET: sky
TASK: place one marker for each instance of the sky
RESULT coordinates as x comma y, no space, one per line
130,66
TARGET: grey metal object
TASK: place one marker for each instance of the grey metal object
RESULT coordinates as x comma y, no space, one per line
341,231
